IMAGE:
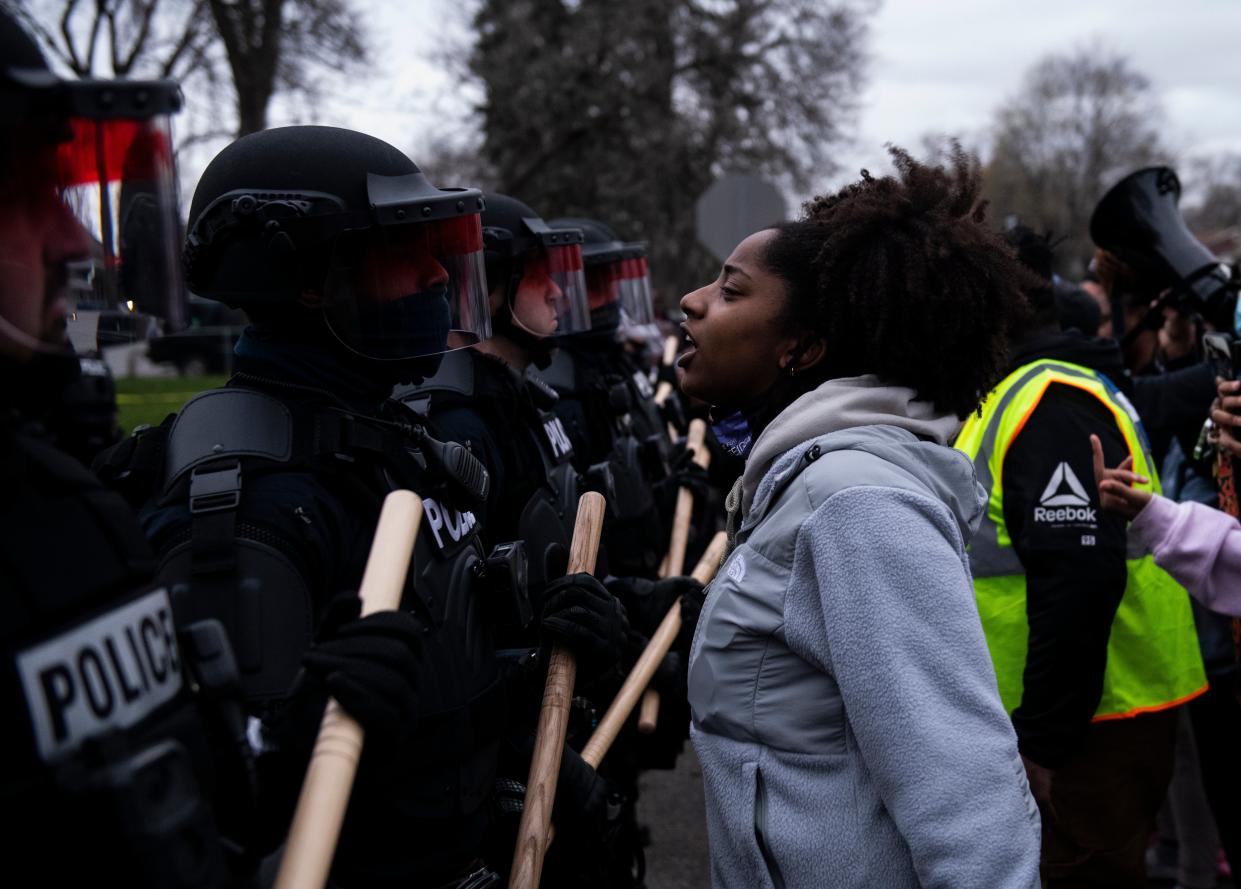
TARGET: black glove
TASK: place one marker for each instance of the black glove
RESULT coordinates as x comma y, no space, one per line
369,664
587,805
692,600
647,601
685,473
670,676
585,618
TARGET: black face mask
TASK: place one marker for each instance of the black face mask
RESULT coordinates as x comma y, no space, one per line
605,318
413,326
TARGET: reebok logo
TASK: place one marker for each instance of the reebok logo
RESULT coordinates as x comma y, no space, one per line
1064,500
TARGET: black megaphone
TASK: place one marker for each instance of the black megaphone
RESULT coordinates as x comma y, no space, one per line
1139,221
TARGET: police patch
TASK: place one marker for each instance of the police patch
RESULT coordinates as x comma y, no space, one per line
643,384
446,521
557,438
107,673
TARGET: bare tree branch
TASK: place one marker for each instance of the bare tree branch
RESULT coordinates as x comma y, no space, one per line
1080,121
75,63
144,31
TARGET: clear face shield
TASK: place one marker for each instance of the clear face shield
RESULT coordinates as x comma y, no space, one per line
603,284
118,179
396,292
551,297
635,289
90,235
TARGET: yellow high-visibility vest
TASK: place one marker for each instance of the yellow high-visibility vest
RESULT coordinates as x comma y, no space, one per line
1153,660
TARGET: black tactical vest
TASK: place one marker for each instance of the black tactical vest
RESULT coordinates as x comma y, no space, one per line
227,561
106,772
608,403
539,506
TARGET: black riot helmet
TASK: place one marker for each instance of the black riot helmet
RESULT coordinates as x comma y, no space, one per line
1139,221
341,221
86,168
618,280
538,269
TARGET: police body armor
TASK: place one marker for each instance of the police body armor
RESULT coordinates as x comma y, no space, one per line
241,573
106,763
613,410
540,507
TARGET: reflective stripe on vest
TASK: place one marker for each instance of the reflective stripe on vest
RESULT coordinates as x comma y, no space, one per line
1153,660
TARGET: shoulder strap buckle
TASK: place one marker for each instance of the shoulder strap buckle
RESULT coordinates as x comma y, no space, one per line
212,490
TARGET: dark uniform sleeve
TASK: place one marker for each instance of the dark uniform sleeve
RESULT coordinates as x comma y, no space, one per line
1175,403
1074,559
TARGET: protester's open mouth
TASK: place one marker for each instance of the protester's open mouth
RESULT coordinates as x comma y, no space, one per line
688,355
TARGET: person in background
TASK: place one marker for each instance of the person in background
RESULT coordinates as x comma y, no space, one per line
1093,650
482,397
1199,546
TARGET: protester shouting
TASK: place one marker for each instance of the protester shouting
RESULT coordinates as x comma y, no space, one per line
844,706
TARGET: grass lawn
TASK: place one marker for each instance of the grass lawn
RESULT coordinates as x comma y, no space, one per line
150,399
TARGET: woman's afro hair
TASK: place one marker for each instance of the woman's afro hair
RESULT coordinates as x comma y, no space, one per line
902,279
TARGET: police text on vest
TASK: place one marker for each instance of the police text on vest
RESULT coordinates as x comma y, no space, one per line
107,673
443,518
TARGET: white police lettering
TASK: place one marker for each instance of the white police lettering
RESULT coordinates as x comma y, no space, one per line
93,367
107,673
557,438
1064,500
643,384
444,518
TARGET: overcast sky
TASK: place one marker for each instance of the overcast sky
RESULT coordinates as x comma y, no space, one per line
935,66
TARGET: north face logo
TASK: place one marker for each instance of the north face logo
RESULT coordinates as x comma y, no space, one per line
1064,499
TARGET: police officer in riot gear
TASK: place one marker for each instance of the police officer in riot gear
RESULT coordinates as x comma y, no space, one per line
357,275
607,405
483,397
608,408
106,774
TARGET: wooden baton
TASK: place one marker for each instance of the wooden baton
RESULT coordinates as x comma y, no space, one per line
670,350
329,777
536,816
685,503
674,562
664,389
648,662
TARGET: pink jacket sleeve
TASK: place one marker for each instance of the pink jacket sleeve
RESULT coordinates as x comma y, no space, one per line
1199,546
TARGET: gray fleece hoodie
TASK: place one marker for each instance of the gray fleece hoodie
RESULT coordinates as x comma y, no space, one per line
844,705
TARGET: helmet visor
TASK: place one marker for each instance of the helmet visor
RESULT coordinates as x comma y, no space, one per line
551,298
603,284
118,179
406,291
635,290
